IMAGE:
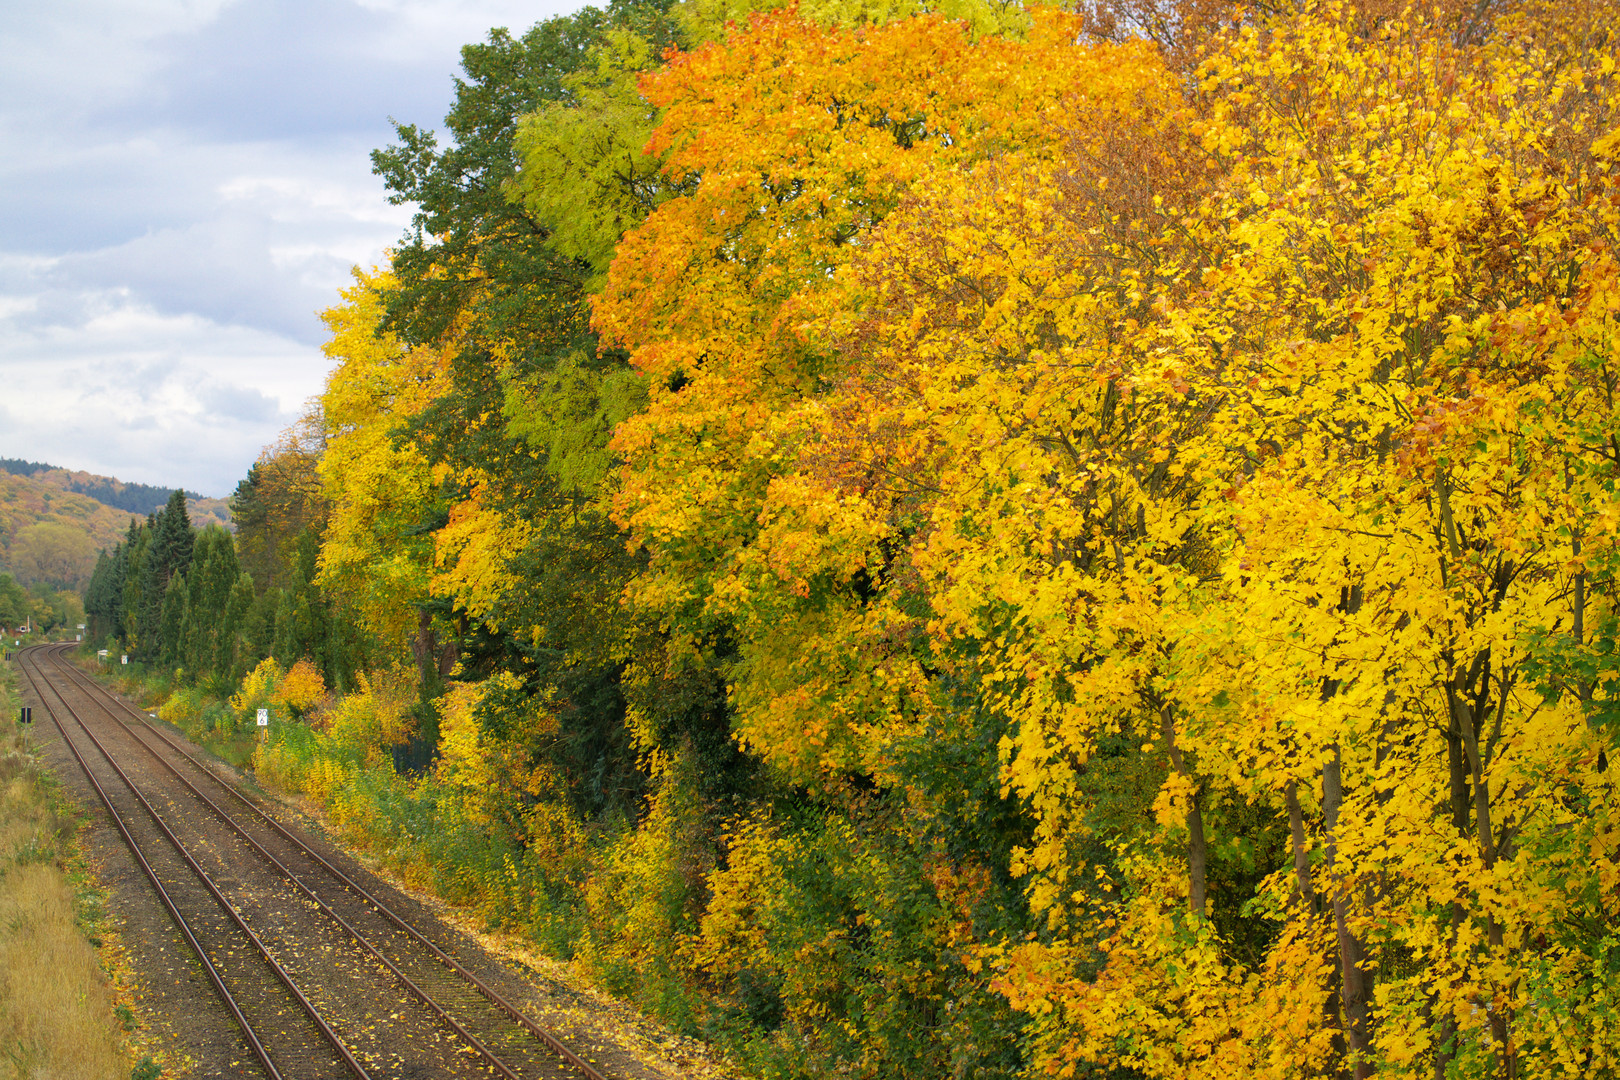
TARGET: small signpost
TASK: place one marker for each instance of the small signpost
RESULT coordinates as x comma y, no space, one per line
123,658
101,654
264,725
26,716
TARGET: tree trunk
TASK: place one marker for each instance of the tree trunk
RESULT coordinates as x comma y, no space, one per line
1353,981
426,648
1467,723
1462,797
1197,857
1197,846
1304,894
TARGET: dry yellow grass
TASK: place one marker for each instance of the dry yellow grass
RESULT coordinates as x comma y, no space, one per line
57,1010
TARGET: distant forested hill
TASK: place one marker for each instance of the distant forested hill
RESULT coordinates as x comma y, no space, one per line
51,535
141,499
53,521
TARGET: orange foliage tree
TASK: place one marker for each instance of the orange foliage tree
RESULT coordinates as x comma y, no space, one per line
797,140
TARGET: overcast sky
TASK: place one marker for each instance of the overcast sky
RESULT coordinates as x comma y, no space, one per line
184,184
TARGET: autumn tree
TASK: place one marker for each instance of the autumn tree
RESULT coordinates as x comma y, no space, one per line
526,566
58,554
1260,468
376,554
1037,541
280,497
711,296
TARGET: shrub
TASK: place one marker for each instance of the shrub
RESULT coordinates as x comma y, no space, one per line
181,708
257,687
366,723
287,757
299,688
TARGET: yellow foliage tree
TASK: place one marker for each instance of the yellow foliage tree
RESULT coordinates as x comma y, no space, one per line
300,688
1276,457
485,767
1241,441
380,489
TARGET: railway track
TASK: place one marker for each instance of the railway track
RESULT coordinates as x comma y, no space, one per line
323,977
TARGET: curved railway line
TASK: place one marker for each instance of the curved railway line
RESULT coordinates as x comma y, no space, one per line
322,977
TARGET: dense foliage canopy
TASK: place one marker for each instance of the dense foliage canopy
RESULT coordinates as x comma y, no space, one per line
983,540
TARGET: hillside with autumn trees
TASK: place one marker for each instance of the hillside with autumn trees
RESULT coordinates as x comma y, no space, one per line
973,539
52,522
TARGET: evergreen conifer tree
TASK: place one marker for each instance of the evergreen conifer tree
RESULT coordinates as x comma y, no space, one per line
143,596
289,644
174,538
255,547
100,600
171,642
230,658
168,553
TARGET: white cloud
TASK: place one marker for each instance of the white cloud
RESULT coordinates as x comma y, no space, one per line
417,24
297,197
165,399
270,239
187,183
72,56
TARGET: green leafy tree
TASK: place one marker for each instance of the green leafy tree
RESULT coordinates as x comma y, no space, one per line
230,659
14,607
258,632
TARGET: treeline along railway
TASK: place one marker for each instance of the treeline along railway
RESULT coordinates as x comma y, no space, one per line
974,540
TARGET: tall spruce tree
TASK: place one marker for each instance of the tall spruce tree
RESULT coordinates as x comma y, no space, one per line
167,553
172,625
143,599
103,596
173,539
233,649
213,575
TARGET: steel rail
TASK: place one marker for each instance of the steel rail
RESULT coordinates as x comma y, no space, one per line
326,909
488,992
252,1037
